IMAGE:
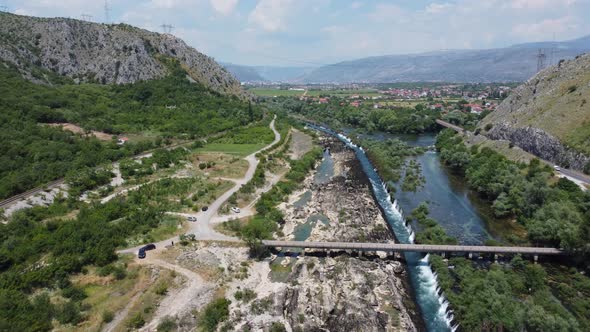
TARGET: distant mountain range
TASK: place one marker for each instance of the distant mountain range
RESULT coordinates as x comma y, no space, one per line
267,73
516,63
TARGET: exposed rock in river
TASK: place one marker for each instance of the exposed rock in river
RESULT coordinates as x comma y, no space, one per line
337,293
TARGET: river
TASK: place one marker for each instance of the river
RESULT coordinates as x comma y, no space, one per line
432,304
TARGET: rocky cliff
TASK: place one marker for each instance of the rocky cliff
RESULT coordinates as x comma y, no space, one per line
92,52
549,115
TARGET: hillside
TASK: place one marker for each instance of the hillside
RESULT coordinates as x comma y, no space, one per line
92,52
512,64
549,115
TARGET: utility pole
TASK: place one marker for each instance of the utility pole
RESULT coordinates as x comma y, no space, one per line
107,11
167,28
541,60
86,17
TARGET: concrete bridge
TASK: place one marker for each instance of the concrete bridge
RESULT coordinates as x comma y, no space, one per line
421,248
450,125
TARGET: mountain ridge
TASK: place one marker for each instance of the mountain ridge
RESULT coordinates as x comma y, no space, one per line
93,52
516,63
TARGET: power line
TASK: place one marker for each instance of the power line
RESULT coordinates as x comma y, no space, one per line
541,60
86,17
107,11
167,28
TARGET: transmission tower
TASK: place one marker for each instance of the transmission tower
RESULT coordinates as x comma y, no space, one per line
541,60
107,11
86,17
167,28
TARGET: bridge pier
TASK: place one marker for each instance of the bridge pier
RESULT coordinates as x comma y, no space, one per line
360,253
535,259
303,252
495,258
328,253
470,255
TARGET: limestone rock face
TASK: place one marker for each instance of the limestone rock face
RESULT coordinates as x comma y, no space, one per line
549,115
92,52
541,144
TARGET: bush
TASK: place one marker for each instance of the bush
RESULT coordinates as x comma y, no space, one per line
572,88
202,166
166,325
161,288
107,316
277,327
488,127
246,295
214,313
136,321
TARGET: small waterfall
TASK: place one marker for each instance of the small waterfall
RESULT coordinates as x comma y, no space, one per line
433,304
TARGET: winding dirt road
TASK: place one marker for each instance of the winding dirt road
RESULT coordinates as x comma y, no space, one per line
182,300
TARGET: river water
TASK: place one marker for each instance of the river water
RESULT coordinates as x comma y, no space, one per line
432,304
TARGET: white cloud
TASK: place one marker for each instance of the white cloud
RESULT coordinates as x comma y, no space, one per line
356,5
224,7
540,4
387,13
437,8
271,15
542,30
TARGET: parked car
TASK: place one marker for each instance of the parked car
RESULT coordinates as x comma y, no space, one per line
141,253
557,168
193,219
235,209
150,246
205,208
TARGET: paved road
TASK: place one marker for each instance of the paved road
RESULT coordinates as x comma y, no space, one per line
399,247
573,175
203,228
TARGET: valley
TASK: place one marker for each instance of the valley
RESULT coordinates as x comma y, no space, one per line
146,187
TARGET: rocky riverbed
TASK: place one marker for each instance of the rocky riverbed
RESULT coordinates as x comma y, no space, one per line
335,293
315,292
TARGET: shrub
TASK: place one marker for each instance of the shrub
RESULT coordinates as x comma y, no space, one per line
161,288
136,321
488,127
214,313
166,325
572,88
277,327
107,316
202,166
246,295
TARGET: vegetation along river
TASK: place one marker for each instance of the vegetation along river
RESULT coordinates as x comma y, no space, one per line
463,214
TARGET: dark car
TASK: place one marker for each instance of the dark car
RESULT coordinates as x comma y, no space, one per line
205,208
150,246
141,253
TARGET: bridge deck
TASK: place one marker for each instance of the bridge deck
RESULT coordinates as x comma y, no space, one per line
397,247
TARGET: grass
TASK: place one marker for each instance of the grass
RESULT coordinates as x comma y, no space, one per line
268,92
168,228
226,166
109,294
146,305
241,150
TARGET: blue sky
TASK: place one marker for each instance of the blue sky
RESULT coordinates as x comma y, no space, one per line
313,32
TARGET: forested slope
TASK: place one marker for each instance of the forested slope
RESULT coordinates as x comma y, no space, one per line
33,153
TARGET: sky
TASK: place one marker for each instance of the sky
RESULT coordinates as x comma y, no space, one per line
316,32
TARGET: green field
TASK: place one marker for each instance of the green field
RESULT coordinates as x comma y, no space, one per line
269,92
233,149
